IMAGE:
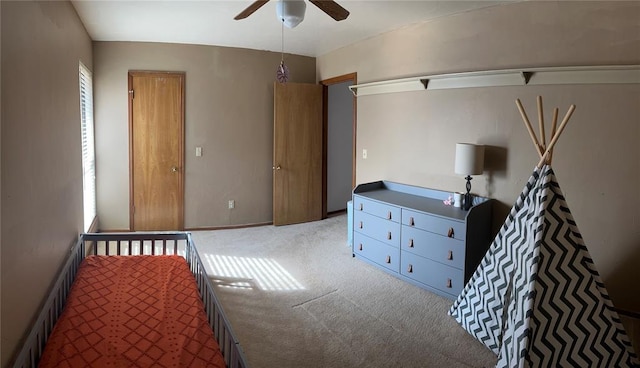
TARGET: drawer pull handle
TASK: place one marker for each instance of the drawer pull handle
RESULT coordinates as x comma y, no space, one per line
410,269
450,233
410,243
449,283
450,255
411,221
360,224
388,259
360,246
360,206
389,235
389,215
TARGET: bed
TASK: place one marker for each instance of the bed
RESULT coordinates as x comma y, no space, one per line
132,299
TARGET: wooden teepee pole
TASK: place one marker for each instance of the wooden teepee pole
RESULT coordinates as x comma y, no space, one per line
541,124
556,136
554,126
545,152
529,128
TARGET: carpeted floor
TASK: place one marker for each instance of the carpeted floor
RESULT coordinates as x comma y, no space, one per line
297,298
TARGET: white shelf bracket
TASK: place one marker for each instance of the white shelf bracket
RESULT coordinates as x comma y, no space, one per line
612,74
526,76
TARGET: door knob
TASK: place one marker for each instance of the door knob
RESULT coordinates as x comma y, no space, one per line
174,169
277,167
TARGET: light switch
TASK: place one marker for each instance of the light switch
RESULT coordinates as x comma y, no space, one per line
198,151
364,153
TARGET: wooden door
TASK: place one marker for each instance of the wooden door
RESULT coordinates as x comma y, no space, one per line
297,153
156,114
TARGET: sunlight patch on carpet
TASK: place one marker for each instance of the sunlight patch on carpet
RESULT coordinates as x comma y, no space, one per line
265,273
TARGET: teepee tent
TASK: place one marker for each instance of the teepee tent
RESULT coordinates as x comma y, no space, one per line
536,299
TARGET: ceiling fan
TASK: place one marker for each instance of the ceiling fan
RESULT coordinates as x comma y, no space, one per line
296,8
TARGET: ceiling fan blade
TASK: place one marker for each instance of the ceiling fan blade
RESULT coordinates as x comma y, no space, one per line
250,9
333,9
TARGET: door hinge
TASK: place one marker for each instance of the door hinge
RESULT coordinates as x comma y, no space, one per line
131,93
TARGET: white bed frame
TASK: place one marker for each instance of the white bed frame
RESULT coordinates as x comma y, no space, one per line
134,243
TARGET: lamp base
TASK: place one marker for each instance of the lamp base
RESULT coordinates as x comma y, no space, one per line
468,201
468,197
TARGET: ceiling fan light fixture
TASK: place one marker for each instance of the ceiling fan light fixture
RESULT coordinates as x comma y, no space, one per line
290,12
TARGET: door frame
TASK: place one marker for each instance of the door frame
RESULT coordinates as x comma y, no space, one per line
181,153
353,77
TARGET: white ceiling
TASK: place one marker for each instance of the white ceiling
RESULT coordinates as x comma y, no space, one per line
210,22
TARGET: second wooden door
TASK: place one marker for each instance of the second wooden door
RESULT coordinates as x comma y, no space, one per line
297,154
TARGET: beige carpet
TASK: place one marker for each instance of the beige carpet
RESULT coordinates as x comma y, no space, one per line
297,298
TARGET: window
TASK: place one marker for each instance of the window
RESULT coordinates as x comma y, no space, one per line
88,147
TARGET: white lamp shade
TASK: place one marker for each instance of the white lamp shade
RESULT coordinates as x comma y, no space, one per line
469,159
290,12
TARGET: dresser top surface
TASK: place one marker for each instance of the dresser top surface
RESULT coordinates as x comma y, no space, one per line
415,202
415,198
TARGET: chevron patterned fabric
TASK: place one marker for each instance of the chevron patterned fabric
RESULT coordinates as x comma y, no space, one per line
537,299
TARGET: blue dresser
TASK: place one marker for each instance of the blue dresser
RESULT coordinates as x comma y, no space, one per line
409,232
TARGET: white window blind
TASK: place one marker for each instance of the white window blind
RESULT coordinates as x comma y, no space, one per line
88,146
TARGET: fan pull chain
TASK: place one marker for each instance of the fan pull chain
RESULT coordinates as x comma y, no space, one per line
282,74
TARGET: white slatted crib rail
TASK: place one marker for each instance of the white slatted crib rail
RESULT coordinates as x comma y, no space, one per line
231,349
136,243
34,344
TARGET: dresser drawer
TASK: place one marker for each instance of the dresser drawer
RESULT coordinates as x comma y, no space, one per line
378,209
379,229
447,227
447,279
376,251
439,248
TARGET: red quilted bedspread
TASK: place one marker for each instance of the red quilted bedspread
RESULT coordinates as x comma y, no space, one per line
133,311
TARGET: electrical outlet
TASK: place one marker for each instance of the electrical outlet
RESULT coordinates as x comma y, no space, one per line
232,204
364,153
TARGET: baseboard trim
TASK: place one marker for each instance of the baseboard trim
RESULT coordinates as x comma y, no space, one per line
628,313
228,227
336,213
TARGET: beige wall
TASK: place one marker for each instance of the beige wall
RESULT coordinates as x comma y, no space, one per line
42,43
410,137
229,113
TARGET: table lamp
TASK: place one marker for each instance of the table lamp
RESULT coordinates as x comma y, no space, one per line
469,161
